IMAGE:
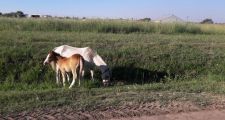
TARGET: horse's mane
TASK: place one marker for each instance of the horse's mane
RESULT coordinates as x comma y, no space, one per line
57,55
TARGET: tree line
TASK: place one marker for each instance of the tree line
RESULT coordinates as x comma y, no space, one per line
18,14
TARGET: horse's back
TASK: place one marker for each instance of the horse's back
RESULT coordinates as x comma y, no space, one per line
89,55
67,51
76,57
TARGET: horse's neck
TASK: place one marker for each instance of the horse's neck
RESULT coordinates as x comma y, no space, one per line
98,61
58,59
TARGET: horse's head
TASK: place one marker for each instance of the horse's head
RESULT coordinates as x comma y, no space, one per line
50,57
106,75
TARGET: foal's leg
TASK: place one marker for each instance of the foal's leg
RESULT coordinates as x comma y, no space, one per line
64,77
74,78
57,76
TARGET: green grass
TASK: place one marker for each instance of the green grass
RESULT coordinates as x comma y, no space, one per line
88,99
144,57
133,58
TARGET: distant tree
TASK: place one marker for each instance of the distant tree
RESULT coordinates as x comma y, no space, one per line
18,14
207,21
146,19
0,14
67,17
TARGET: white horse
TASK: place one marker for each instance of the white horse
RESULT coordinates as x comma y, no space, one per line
91,59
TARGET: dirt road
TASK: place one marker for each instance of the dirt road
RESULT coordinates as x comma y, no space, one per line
200,115
144,111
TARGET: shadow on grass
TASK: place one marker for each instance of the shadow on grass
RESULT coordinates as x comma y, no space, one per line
125,75
133,75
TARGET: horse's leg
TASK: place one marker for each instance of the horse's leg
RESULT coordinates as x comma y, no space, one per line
68,77
82,74
92,74
74,78
79,80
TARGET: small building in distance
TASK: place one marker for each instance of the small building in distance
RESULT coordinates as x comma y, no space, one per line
170,19
35,16
46,16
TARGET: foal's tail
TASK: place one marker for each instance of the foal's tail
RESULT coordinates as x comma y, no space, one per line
81,66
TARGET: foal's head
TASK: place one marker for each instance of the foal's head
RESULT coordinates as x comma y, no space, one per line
52,57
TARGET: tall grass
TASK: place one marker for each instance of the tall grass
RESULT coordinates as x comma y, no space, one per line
106,26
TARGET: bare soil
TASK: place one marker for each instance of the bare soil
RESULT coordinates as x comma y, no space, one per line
152,111
199,115
182,110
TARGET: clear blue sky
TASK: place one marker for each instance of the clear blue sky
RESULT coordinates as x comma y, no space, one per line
195,10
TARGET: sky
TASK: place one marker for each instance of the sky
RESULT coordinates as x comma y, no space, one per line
191,10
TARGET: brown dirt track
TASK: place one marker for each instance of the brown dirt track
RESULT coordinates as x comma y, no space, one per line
153,111
200,115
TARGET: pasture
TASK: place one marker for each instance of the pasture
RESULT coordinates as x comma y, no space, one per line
147,60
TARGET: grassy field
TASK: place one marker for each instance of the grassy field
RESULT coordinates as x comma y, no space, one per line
143,56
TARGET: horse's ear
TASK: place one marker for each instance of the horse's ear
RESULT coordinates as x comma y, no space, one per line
51,52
